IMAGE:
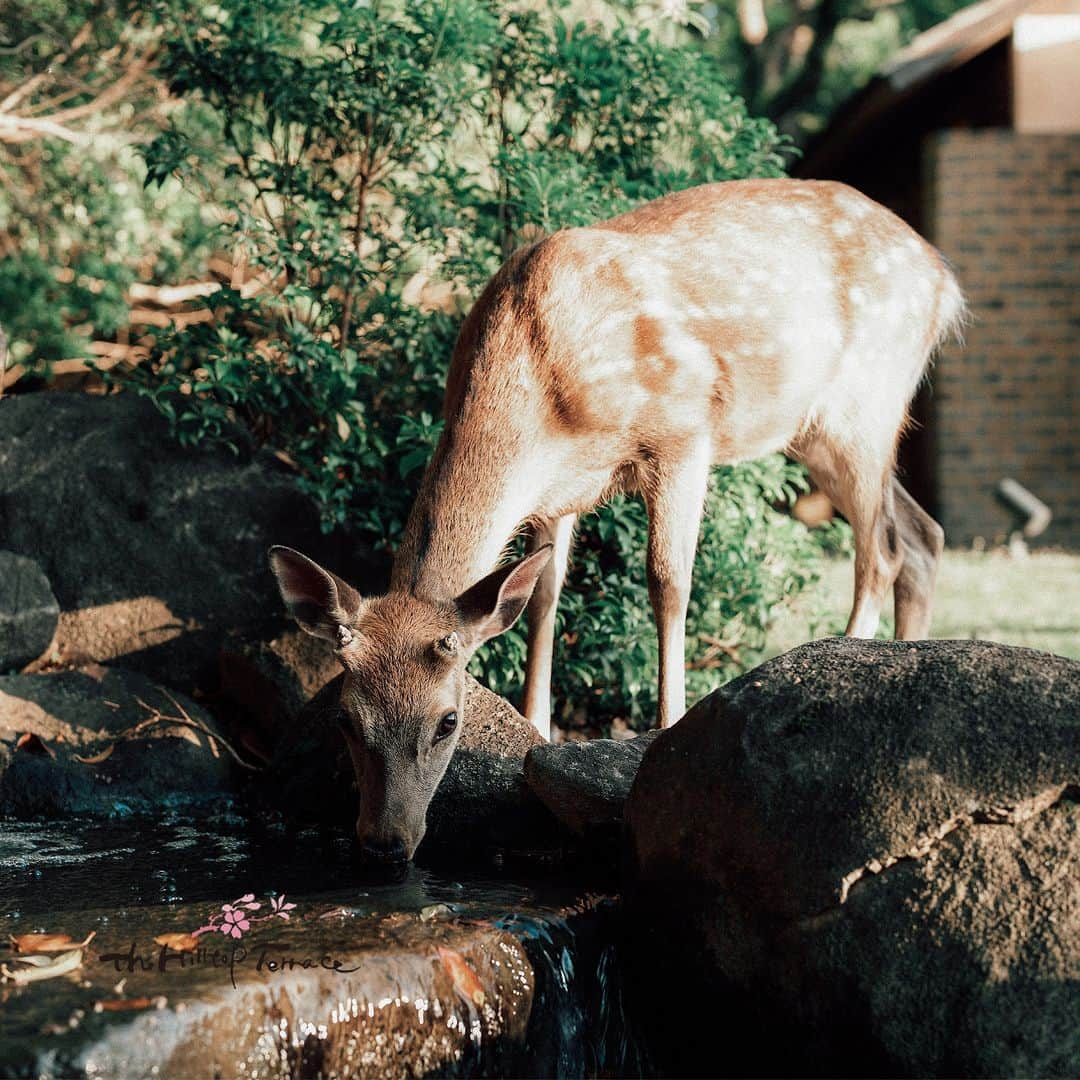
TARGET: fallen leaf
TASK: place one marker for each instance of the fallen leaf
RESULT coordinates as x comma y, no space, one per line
179,942
48,943
53,968
466,982
339,911
95,759
29,743
35,960
129,1004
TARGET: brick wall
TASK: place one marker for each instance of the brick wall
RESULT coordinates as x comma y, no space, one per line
1004,209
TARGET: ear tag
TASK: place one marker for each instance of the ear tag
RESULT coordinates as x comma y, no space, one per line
344,637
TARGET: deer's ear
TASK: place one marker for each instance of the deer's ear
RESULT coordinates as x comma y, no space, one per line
319,601
494,603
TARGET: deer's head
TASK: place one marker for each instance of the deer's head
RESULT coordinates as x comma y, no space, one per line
404,658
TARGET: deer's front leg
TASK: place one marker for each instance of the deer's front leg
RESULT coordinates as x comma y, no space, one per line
674,497
541,613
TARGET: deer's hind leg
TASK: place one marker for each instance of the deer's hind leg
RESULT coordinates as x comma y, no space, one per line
922,540
541,615
858,480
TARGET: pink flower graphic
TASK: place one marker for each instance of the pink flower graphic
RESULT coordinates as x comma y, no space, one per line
235,918
280,908
235,924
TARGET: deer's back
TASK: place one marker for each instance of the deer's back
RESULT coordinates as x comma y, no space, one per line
747,310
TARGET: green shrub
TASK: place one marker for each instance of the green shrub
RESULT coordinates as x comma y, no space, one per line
367,149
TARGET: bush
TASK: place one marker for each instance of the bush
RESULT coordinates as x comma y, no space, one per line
380,161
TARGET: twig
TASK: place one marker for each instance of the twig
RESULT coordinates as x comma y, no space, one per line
183,720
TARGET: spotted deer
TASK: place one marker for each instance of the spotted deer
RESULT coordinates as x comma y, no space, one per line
715,325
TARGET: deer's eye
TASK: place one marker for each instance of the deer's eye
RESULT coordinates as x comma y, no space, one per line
446,726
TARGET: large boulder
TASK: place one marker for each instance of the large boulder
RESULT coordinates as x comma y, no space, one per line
107,742
153,551
28,611
482,807
862,856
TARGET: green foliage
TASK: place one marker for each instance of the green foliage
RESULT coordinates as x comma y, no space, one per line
76,228
378,161
817,53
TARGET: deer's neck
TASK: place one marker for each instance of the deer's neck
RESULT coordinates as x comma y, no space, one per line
466,511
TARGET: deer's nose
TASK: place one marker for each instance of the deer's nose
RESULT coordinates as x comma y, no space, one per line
386,851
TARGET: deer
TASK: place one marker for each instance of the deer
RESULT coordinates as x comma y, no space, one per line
715,325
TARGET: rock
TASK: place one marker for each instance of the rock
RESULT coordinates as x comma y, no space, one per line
28,611
158,550
504,980
105,716
862,854
493,725
585,784
265,685
481,805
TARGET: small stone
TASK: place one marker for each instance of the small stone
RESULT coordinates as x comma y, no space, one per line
28,611
435,911
585,784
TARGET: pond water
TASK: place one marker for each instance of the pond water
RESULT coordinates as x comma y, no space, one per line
424,973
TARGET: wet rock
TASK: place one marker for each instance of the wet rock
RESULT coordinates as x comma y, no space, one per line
354,982
324,993
585,784
859,853
28,611
153,551
142,749
482,804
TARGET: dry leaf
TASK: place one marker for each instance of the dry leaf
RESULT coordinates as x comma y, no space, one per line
179,942
95,759
52,968
35,960
343,429
30,743
466,982
129,1004
48,943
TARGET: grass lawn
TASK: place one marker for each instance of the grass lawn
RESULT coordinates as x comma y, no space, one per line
1033,601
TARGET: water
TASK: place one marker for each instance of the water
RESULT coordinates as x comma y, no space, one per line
424,973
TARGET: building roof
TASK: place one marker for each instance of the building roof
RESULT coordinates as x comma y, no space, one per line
910,72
